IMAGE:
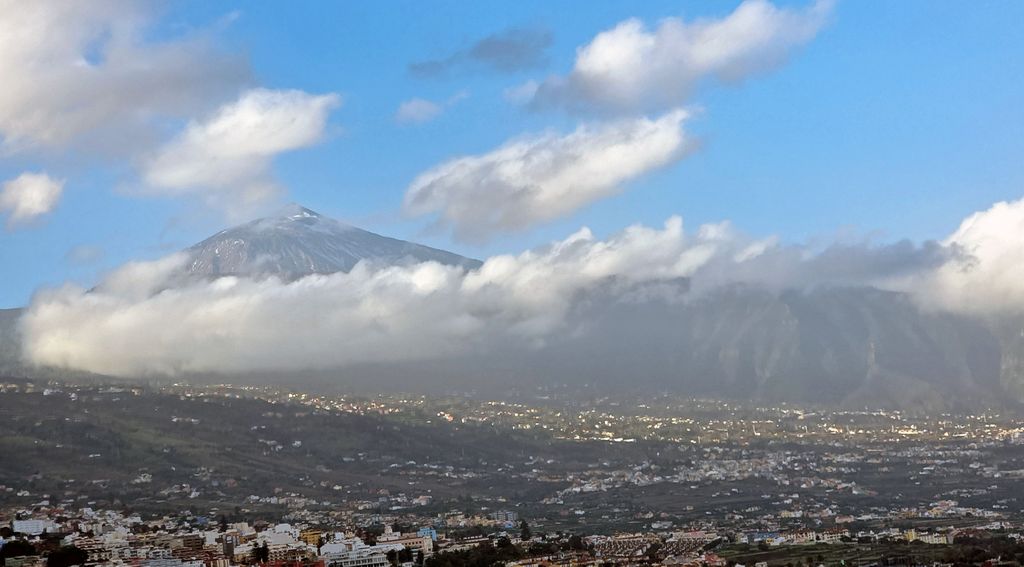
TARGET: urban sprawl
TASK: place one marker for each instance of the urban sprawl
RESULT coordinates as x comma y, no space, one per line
224,475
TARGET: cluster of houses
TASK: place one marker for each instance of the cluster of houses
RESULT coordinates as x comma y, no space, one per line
110,538
113,538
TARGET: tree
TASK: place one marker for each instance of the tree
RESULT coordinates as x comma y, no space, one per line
261,554
524,531
419,557
66,556
392,557
482,555
652,552
223,523
17,548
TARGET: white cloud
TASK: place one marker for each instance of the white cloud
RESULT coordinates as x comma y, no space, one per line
29,196
537,179
86,74
630,67
227,158
417,111
143,318
986,276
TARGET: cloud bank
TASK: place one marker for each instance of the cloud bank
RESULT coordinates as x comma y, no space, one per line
536,179
143,318
227,158
632,68
147,317
28,197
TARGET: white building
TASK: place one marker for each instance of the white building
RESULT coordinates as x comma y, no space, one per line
352,552
33,527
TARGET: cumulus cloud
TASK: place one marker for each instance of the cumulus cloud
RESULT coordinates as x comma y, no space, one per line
514,49
29,196
91,80
631,67
536,179
227,158
88,74
986,276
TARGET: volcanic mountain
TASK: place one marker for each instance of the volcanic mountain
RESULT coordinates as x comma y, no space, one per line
299,242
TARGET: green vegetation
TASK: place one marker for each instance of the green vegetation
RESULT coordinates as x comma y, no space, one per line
66,556
965,551
481,556
16,548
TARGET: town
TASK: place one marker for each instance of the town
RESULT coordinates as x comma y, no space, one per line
93,537
228,475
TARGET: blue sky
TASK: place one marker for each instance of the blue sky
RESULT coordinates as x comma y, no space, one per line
897,120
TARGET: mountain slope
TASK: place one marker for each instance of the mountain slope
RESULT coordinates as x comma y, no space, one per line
840,346
9,343
299,242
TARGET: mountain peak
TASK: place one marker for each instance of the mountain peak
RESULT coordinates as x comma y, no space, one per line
293,218
296,211
298,241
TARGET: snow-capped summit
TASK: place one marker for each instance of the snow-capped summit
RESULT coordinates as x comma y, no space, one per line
298,241
297,211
